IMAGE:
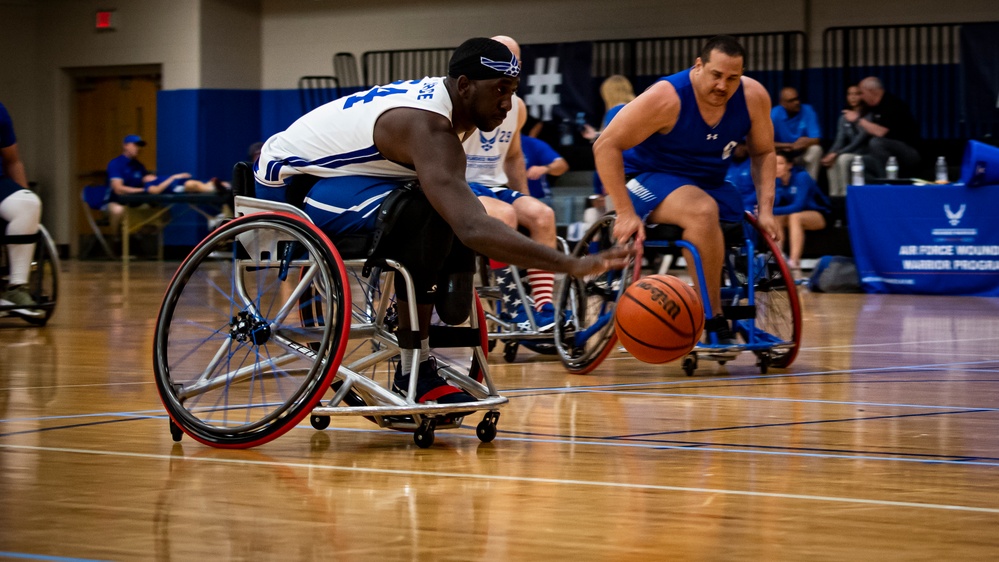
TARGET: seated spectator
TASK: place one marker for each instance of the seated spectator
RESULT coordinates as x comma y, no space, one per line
850,141
796,130
541,161
799,205
893,130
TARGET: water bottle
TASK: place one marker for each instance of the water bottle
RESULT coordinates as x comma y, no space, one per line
942,170
566,133
857,170
891,169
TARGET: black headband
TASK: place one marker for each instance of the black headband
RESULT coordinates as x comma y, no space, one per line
483,59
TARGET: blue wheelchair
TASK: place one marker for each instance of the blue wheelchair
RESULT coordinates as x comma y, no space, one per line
758,293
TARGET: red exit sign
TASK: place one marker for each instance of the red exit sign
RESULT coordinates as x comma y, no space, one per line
105,20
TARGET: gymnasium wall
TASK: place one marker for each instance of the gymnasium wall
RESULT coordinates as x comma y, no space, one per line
229,67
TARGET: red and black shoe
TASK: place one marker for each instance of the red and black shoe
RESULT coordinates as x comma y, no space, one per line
430,387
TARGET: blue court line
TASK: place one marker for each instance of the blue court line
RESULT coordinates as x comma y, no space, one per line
790,400
753,377
724,448
635,442
26,556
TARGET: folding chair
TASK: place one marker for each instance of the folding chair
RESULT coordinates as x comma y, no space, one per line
95,200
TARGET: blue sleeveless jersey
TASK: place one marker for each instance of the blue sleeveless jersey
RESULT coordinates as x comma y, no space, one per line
692,149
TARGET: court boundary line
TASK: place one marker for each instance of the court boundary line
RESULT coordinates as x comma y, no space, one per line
523,479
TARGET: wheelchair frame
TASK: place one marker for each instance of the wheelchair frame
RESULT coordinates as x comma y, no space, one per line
502,330
263,245
765,312
43,277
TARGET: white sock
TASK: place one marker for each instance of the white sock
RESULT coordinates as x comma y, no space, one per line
424,350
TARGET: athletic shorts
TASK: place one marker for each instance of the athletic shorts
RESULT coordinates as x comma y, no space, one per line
504,194
350,204
648,190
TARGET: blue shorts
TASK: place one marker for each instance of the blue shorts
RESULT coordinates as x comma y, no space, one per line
348,204
648,190
504,194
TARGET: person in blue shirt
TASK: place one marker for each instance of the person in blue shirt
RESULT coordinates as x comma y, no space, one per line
127,175
664,157
21,209
796,130
799,205
541,161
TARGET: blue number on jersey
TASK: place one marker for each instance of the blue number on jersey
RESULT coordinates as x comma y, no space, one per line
377,92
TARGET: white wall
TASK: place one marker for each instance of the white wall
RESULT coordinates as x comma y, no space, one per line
301,36
230,44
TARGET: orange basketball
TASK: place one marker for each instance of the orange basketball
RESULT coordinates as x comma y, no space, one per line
659,319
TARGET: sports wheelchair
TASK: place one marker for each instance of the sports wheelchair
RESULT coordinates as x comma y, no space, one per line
267,313
43,277
758,293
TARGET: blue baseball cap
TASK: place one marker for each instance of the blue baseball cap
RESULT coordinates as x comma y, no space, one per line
134,138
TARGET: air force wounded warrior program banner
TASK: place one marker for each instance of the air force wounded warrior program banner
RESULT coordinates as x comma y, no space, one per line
941,240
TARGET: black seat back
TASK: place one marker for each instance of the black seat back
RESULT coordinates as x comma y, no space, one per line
244,184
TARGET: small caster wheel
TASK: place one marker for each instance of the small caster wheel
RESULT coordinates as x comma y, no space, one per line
722,362
491,346
485,431
424,435
175,432
690,365
319,422
510,352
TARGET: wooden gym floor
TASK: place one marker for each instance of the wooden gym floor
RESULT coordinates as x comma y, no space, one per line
879,443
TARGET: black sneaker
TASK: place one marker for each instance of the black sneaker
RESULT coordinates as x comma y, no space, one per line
430,387
723,332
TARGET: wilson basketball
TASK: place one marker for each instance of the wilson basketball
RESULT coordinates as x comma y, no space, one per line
659,319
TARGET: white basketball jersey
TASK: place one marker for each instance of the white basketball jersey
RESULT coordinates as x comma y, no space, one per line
337,139
486,152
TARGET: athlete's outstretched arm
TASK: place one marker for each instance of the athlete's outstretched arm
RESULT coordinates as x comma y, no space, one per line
655,110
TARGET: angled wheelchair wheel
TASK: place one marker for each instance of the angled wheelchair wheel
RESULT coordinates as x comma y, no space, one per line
778,309
588,337
235,365
43,278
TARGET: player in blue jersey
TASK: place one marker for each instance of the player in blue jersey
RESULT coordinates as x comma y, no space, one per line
367,145
674,143
21,209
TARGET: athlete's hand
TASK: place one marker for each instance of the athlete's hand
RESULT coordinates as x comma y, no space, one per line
769,225
617,257
535,172
626,225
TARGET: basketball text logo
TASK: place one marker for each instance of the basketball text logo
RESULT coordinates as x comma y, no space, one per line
669,305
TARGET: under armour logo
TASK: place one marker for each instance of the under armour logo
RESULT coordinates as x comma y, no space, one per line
954,217
488,144
712,136
511,69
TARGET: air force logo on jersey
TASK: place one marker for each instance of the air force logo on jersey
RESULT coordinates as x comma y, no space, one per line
511,69
487,143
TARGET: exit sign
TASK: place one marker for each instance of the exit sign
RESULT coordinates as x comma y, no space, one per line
105,20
